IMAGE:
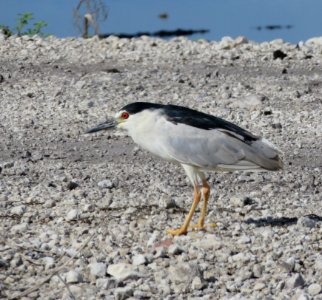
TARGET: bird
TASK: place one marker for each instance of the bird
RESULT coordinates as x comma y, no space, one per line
198,141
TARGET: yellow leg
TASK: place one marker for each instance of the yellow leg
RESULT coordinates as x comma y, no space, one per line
205,190
184,228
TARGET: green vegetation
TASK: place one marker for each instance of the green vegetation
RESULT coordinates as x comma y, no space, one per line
23,26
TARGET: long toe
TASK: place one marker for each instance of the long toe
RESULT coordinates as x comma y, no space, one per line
202,226
178,231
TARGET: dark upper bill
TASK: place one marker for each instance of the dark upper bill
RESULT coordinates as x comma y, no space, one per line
109,124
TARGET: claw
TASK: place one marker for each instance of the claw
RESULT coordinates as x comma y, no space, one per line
202,226
178,231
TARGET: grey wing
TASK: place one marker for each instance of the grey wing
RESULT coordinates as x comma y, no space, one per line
204,148
216,149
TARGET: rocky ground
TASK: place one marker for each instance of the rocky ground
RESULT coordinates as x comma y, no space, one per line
85,216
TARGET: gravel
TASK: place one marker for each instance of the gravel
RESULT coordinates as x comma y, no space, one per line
85,216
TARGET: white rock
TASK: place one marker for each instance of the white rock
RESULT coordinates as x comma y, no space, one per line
98,269
289,264
106,283
72,215
259,286
166,202
139,259
196,283
49,262
18,210
314,41
73,277
314,289
105,184
121,271
174,249
123,293
183,273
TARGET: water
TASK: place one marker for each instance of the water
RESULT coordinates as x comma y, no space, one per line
221,17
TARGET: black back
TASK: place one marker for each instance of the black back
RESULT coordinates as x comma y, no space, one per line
179,114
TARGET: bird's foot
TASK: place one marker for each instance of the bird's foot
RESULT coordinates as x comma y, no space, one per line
202,226
178,231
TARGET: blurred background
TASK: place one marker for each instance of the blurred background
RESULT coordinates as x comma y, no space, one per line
258,20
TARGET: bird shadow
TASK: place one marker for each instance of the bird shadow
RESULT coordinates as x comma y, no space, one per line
283,221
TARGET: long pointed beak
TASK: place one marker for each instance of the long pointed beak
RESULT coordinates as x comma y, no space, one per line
109,124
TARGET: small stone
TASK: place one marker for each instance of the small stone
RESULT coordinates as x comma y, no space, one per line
98,269
314,289
196,283
49,262
73,277
295,281
259,286
106,283
289,264
279,54
105,202
105,184
122,271
174,250
244,240
18,210
123,293
167,202
72,185
257,271
72,215
318,263
139,260
306,222
241,40
183,272
237,201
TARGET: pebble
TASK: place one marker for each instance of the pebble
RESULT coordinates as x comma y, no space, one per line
139,260
72,215
123,293
306,222
174,249
314,289
182,273
105,184
97,269
106,283
295,281
73,277
289,264
196,283
122,271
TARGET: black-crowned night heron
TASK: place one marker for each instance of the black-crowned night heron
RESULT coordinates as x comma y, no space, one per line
196,140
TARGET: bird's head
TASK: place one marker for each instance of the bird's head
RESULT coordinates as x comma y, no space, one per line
119,120
126,117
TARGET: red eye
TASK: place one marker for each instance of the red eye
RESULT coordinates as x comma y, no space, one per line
125,115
